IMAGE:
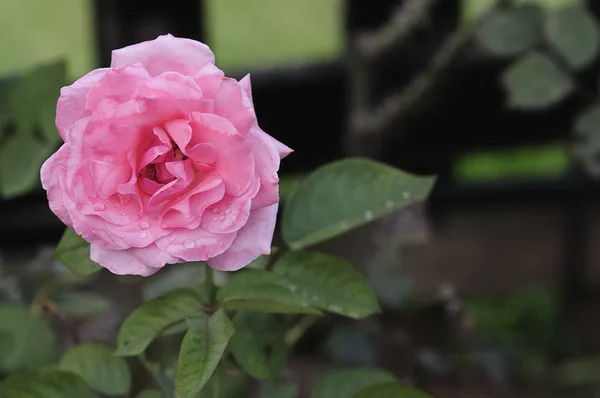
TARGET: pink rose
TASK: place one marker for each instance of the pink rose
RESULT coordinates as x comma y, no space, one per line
164,162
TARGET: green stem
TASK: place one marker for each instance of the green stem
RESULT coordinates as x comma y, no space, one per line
210,285
297,331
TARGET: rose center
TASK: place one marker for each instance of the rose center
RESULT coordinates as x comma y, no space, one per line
157,171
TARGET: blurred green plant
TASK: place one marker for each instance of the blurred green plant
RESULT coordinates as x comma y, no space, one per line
27,132
191,328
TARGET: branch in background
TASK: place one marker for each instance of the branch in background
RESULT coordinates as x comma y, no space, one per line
406,19
373,124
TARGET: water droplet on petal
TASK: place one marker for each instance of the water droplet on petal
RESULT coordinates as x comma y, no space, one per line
189,244
143,235
227,211
216,210
98,206
50,197
220,243
204,226
215,218
222,218
171,238
369,215
144,225
122,213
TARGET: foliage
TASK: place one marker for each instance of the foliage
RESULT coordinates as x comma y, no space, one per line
28,135
548,45
189,330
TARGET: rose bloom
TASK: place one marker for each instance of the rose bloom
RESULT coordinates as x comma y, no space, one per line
163,162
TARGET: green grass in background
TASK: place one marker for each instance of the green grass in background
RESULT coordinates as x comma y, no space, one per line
266,32
242,32
534,162
37,31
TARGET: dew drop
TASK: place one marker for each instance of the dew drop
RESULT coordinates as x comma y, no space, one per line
222,218
144,225
98,206
189,244
122,213
220,243
143,235
215,218
204,226
227,211
216,210
368,215
50,198
406,195
171,238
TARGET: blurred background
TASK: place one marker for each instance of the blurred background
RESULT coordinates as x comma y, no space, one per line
490,287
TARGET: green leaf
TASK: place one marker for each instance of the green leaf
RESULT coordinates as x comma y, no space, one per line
327,282
6,85
391,390
534,82
258,345
573,33
149,319
348,383
174,277
256,290
74,253
225,385
81,304
201,350
21,156
150,394
281,391
32,101
587,131
344,195
510,31
27,341
95,364
288,184
47,383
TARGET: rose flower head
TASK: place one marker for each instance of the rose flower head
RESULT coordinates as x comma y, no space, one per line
163,162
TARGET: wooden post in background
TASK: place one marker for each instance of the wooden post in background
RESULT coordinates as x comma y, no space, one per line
119,23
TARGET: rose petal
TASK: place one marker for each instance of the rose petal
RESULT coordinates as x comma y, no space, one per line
209,78
186,213
230,214
194,244
159,145
252,241
235,163
51,173
71,104
165,53
184,173
231,102
144,262
118,85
